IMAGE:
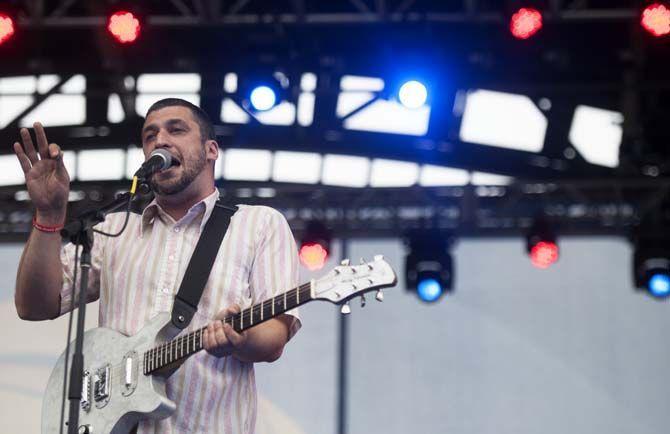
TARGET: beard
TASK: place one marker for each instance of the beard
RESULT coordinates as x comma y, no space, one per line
189,171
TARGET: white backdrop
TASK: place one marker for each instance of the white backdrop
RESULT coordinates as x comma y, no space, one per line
572,349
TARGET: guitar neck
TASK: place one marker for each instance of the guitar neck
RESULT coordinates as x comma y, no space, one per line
184,346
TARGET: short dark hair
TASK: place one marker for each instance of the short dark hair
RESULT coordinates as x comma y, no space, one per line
201,118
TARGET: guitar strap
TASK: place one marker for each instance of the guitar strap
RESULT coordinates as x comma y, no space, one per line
200,265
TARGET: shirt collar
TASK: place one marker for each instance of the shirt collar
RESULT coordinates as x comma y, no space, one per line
154,210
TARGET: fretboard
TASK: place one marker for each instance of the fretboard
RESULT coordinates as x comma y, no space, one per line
184,346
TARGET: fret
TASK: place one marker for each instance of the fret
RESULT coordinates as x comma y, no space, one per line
251,313
242,320
262,309
284,302
273,306
297,296
153,362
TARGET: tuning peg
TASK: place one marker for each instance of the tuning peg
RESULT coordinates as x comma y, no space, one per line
344,262
362,300
345,310
379,296
379,257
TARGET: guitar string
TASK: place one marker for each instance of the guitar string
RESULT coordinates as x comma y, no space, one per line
266,304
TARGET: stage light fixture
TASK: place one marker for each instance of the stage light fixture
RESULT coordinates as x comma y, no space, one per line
656,19
651,261
315,245
429,266
525,22
263,98
7,28
124,26
541,244
413,94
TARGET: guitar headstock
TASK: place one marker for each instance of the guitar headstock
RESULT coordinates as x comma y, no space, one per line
347,281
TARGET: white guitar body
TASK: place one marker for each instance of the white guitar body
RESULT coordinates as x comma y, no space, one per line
124,404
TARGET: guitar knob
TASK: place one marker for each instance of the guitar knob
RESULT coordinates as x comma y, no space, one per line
362,301
346,309
380,296
85,429
344,262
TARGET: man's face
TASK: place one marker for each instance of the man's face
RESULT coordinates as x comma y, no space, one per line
175,130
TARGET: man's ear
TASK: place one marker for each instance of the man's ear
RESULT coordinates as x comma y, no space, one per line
212,150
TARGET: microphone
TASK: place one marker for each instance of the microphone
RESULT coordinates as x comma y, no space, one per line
158,160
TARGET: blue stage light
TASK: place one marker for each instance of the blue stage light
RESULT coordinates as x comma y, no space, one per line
413,94
659,285
429,290
263,98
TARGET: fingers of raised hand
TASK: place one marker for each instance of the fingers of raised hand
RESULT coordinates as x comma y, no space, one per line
23,158
42,143
28,145
230,310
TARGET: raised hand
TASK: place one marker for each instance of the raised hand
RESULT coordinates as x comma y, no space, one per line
47,179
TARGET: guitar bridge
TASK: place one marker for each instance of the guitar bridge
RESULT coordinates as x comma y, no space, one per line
101,386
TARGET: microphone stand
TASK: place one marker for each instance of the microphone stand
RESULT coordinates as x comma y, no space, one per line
80,232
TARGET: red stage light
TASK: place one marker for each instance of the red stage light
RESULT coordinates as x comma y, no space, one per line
313,256
656,19
124,26
525,23
6,27
543,254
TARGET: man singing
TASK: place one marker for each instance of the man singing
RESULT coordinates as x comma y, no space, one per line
137,274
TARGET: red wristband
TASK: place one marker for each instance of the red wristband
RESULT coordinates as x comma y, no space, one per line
48,229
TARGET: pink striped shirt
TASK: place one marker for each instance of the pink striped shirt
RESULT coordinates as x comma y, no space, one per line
138,274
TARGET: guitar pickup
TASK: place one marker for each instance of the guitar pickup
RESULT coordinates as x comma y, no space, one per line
130,368
86,391
101,387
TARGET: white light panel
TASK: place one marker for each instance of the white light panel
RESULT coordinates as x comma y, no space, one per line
58,110
247,164
101,164
303,167
134,159
306,109
231,113
170,83
390,117
391,173
22,84
230,82
281,114
11,106
503,120
345,170
596,134
115,112
10,170
483,178
438,176
308,82
359,83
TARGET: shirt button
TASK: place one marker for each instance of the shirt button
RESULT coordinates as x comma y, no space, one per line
171,257
176,229
166,290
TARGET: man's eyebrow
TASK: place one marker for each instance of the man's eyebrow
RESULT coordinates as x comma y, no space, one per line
172,122
150,127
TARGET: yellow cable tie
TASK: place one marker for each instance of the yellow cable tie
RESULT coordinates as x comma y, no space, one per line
134,186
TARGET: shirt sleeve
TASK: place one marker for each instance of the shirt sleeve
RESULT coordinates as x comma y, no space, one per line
275,268
67,258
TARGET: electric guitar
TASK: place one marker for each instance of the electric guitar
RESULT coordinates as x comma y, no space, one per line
124,377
